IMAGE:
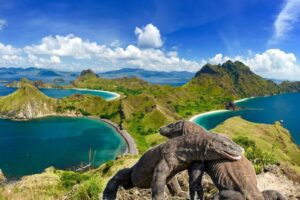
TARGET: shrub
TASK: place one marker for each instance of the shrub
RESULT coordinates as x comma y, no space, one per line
84,113
89,190
69,179
258,157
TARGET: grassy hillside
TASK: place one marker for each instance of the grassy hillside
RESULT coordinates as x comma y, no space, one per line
271,138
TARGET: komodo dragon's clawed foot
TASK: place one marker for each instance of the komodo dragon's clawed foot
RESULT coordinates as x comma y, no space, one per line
273,195
229,195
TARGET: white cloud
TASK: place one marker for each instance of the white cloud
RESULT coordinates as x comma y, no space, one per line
3,23
148,36
69,45
55,59
8,49
273,63
286,19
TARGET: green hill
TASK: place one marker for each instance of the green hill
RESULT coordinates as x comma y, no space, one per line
233,78
27,102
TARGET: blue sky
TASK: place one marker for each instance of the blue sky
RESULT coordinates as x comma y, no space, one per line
156,35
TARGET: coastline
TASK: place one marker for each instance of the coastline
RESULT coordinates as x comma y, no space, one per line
131,145
113,93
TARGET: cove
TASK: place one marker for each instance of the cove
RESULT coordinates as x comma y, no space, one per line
28,147
266,110
60,93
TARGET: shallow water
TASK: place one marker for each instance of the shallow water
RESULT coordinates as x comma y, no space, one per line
267,110
28,147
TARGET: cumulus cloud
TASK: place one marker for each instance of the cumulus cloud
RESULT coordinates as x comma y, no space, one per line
273,63
3,23
286,19
148,36
8,49
50,51
69,45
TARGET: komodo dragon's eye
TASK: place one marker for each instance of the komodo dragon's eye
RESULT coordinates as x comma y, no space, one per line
225,144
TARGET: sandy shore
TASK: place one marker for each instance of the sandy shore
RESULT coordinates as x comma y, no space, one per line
207,113
217,111
113,93
244,99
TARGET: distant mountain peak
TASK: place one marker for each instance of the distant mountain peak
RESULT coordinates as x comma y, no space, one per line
88,72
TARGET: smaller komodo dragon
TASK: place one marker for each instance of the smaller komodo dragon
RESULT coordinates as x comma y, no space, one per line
234,179
161,163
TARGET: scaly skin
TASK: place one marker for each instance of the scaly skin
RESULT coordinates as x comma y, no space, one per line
234,179
160,164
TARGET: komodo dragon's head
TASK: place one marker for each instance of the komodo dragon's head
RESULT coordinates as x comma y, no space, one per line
218,143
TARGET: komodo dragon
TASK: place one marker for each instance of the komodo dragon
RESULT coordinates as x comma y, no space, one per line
161,163
234,179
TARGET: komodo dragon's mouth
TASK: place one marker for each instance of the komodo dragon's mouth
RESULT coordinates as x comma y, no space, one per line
231,156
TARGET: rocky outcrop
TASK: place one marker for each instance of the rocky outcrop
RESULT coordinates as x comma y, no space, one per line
230,105
2,177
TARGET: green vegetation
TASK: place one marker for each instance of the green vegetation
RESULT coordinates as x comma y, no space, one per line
259,158
69,179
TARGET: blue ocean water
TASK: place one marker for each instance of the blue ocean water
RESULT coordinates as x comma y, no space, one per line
28,147
59,93
267,110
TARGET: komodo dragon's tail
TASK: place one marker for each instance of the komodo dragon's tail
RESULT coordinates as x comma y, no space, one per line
121,178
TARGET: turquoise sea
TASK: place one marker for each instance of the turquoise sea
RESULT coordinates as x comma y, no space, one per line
267,110
59,93
28,147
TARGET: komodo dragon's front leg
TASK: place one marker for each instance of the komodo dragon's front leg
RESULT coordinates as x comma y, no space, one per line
159,179
122,178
